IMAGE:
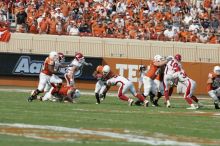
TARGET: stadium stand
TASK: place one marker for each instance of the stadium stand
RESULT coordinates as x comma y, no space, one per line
167,20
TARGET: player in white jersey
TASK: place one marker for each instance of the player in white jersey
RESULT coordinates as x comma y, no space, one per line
74,68
172,66
124,85
190,87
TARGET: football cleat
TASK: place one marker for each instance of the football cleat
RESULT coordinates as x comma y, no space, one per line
130,102
146,103
193,107
216,105
30,99
137,103
156,102
168,104
200,105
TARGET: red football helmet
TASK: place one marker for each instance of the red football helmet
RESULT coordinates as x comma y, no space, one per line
178,57
61,57
79,57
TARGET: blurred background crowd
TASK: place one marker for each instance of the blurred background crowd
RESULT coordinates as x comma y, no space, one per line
162,20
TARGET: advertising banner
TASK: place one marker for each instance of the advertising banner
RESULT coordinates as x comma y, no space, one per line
12,64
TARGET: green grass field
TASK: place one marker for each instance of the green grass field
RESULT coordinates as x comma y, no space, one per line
112,123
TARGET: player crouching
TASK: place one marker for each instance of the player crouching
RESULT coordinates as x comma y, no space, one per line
62,93
124,86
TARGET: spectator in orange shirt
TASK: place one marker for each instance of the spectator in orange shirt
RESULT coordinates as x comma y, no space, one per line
183,34
193,37
213,39
65,9
52,26
159,28
43,26
98,30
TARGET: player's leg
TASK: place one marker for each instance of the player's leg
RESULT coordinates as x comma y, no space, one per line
166,84
214,94
154,91
188,95
103,91
97,89
121,94
43,79
67,79
147,86
140,97
194,98
160,93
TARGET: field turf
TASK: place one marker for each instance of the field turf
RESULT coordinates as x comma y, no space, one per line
112,123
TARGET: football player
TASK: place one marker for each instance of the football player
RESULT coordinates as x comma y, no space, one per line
190,87
101,87
45,75
61,93
172,66
76,64
159,85
124,85
150,88
213,86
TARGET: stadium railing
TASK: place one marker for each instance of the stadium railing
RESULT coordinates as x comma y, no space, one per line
110,47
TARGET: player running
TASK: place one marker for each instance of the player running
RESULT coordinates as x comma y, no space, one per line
74,69
101,87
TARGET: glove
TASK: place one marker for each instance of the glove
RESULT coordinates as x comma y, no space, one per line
89,64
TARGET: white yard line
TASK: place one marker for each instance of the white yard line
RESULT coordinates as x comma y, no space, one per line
127,137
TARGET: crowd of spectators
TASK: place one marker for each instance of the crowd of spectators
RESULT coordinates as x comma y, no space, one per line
165,20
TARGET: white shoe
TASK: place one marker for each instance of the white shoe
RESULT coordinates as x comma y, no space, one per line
168,104
131,101
193,107
146,103
200,105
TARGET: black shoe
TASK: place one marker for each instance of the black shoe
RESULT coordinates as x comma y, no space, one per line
137,103
30,99
216,105
156,102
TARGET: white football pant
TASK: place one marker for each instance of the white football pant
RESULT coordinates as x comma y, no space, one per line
44,83
149,86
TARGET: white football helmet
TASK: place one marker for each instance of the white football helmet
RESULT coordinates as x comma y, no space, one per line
106,69
158,57
217,70
53,55
77,93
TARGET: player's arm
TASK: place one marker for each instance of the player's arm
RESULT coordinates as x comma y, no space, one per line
87,63
71,74
51,69
94,74
160,63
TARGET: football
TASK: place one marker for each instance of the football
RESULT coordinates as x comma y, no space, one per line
99,76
